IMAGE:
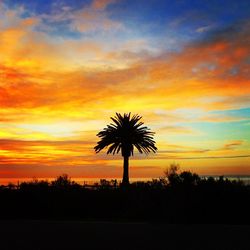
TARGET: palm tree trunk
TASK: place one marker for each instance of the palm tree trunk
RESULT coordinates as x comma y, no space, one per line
125,179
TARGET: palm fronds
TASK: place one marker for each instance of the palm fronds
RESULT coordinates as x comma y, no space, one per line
124,134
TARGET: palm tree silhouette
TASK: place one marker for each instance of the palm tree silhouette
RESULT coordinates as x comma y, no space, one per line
123,135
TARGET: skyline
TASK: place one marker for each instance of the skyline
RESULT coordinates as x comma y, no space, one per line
67,66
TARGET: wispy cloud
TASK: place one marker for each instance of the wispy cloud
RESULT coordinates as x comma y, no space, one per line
101,4
233,144
93,17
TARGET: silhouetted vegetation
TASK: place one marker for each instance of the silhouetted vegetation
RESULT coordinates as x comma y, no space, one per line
177,197
123,136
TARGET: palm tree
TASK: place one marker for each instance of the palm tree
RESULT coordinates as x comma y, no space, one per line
122,136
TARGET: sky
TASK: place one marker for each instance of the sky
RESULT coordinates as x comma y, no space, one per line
66,67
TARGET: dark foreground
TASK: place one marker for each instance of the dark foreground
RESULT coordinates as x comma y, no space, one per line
36,235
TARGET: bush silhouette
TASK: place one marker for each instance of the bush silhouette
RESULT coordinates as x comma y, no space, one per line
186,198
64,181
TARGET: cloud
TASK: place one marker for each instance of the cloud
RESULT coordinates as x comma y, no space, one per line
162,83
222,118
213,157
26,43
233,144
90,18
234,149
176,129
101,4
93,19
204,28
48,153
213,58
195,151
232,102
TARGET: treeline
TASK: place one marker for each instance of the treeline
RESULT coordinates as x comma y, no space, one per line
178,197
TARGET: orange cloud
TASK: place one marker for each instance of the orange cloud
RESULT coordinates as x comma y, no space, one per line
94,19
233,144
176,129
101,4
222,118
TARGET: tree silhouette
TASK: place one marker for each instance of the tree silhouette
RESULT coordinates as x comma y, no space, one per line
122,136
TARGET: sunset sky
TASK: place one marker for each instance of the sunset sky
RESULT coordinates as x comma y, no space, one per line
66,67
